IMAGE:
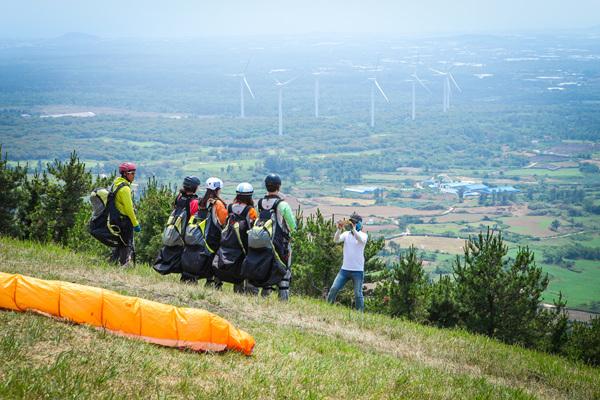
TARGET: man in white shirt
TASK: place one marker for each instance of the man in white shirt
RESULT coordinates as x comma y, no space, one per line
353,266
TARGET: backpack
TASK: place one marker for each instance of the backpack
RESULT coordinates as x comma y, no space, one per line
261,234
106,224
232,250
174,232
202,240
263,265
203,230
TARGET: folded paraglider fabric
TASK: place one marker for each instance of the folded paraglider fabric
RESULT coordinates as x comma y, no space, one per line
134,317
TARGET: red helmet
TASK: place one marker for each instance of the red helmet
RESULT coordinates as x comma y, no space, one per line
126,167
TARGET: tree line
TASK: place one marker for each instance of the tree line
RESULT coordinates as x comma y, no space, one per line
487,292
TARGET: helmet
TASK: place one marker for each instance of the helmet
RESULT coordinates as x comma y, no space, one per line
355,218
191,182
272,180
213,183
244,188
126,167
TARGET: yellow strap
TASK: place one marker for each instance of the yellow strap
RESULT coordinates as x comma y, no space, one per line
236,228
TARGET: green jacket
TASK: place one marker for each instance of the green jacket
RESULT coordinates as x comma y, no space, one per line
124,200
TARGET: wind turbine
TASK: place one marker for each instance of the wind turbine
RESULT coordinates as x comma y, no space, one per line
280,86
243,86
375,85
317,75
447,87
415,79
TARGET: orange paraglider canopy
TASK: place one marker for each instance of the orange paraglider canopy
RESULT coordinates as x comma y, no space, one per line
134,317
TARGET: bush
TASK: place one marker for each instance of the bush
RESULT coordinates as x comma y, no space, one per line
442,308
404,289
584,342
155,205
11,180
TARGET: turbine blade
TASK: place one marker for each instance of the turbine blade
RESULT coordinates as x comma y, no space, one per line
248,87
421,83
381,91
290,81
247,63
453,81
437,71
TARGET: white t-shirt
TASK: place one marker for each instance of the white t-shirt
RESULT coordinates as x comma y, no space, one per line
354,251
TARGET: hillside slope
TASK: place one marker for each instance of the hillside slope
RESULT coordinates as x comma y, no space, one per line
305,349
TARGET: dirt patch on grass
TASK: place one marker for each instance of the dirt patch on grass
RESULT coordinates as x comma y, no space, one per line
432,243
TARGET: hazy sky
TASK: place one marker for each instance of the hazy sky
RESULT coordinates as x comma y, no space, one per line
179,18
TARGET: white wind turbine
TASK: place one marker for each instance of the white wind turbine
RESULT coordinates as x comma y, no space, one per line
447,87
243,86
280,86
374,85
317,75
415,79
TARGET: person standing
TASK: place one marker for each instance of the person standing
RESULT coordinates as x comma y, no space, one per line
353,266
286,224
124,253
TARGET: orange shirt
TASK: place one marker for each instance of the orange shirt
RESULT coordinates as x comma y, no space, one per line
221,212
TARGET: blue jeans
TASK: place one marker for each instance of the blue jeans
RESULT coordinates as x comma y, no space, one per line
340,280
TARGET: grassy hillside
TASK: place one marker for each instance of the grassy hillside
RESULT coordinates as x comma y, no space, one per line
305,349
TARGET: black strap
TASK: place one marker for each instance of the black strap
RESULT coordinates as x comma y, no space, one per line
114,192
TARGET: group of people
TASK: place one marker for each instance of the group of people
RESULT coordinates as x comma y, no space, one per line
244,243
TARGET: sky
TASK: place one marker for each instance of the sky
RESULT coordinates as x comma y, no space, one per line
200,18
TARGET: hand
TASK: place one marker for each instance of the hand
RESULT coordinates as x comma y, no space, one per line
340,224
137,228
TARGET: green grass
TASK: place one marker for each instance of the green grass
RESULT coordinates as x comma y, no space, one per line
578,285
305,349
559,173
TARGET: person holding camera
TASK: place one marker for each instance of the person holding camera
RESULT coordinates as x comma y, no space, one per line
353,266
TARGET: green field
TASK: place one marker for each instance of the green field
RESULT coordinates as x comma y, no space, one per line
578,286
559,173
305,349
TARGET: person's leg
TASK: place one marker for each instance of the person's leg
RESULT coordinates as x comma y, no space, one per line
357,278
251,289
338,283
284,286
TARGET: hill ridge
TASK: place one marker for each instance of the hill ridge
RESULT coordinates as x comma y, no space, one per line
304,349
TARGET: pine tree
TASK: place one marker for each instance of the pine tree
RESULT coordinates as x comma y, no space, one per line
156,203
443,308
65,194
498,296
316,256
11,178
406,287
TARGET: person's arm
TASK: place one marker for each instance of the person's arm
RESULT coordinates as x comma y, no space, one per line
193,207
360,236
339,236
124,197
221,212
252,215
287,214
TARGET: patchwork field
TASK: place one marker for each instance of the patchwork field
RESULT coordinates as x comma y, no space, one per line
530,225
432,243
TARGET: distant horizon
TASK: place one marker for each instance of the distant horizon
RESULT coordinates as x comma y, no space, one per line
32,19
450,33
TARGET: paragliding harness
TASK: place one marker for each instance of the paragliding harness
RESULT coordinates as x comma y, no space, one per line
107,224
169,257
202,239
234,241
267,260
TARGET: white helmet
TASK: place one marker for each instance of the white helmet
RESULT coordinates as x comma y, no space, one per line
213,183
244,188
